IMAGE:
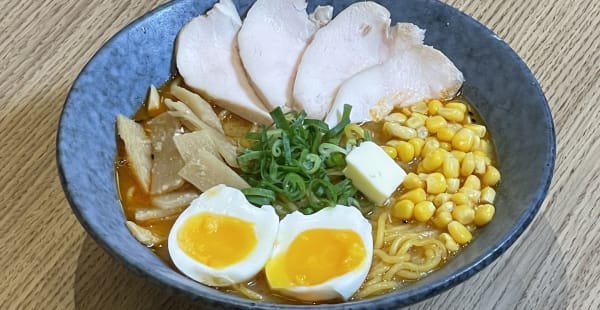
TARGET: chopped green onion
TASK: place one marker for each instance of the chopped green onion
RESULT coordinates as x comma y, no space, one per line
297,163
326,149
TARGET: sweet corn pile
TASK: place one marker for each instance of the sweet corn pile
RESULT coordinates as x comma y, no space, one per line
453,179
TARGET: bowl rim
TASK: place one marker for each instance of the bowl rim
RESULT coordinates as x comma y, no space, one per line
399,298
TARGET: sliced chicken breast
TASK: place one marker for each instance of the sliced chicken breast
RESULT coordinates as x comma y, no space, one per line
208,60
272,39
416,74
357,38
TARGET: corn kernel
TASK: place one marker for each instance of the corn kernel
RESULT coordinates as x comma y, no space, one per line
486,159
422,132
446,146
459,232
416,120
491,176
447,206
453,185
472,194
436,183
434,159
484,214
405,151
467,165
423,176
399,131
430,145
455,126
479,130
484,147
406,111
420,168
472,182
463,213
434,123
476,141
467,120
440,198
417,145
391,151
458,155
403,209
463,140
445,134
451,114
419,107
412,181
393,142
451,167
488,195
480,165
424,211
433,106
450,244
457,105
416,195
396,118
441,219
460,198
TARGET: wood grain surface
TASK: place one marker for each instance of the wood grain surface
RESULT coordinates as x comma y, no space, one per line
47,261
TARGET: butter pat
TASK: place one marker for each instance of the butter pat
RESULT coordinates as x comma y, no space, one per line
373,172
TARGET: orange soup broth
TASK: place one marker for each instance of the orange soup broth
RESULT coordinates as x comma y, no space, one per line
133,198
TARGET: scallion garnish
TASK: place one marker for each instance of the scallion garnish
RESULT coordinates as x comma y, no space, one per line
297,163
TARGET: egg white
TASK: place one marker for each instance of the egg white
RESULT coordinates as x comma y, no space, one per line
224,200
338,217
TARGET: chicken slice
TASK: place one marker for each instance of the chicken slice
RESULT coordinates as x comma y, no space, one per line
208,60
357,38
272,39
416,74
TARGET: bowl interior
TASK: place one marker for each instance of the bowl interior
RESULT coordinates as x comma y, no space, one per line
498,84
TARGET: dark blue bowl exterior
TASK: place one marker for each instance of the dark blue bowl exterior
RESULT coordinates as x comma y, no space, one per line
498,83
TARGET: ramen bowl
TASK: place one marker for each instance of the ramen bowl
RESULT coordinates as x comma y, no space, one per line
498,84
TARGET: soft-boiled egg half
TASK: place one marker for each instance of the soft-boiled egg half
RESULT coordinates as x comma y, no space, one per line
221,239
322,256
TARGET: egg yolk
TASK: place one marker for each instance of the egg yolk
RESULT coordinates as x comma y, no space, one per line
216,240
316,256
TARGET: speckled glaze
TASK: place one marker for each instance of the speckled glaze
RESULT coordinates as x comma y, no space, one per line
115,81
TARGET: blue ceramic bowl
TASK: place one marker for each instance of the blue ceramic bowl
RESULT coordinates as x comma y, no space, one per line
498,83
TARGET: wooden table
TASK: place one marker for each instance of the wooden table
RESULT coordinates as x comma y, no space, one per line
48,261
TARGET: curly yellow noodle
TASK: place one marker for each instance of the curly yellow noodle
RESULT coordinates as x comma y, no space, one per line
399,241
402,252
408,230
408,266
380,229
376,289
429,253
409,275
247,292
374,280
377,270
418,243
390,259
